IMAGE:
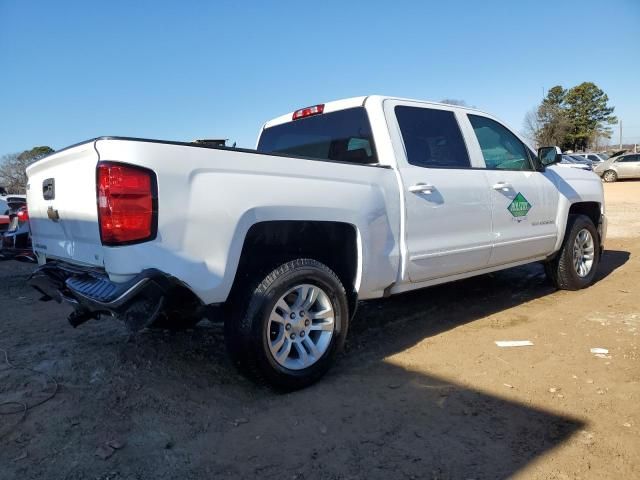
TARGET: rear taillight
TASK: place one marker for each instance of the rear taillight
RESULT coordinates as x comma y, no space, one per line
23,215
308,111
127,203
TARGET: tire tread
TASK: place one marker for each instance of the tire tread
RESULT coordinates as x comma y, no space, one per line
560,270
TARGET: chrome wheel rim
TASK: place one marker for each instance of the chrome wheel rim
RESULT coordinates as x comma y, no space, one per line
583,252
609,176
300,327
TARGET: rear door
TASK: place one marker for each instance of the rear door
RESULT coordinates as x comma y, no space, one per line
61,198
524,200
447,203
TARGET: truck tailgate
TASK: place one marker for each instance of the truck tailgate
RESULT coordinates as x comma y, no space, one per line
61,197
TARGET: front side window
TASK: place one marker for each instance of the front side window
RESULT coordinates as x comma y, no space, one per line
432,138
501,149
343,136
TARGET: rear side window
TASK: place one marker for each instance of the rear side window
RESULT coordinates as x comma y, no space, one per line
501,149
432,138
344,136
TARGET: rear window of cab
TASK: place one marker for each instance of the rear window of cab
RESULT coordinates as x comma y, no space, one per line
343,136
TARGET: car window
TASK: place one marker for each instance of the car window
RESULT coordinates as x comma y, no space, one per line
343,136
501,149
432,138
593,158
629,158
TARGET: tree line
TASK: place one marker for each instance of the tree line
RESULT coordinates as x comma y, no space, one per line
13,176
576,119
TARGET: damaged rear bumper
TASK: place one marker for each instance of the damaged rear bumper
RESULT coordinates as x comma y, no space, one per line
138,301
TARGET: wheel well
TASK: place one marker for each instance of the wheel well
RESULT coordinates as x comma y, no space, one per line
269,244
590,209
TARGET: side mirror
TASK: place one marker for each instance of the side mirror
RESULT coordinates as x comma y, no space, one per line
549,155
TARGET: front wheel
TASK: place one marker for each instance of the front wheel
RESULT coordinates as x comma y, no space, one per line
293,325
577,261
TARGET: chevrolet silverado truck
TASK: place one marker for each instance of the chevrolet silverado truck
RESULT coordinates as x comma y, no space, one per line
349,200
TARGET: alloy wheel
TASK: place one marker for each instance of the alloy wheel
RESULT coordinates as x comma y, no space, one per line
300,327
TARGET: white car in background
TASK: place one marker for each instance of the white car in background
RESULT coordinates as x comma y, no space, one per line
570,162
596,158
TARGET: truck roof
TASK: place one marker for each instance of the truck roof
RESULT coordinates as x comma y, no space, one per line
352,102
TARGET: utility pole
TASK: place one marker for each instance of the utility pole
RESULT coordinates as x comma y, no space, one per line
620,122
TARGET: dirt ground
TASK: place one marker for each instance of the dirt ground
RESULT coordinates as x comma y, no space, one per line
422,390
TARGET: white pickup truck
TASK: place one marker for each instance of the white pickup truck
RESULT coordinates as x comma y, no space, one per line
349,200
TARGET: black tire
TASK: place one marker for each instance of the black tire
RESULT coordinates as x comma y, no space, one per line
610,176
247,324
562,270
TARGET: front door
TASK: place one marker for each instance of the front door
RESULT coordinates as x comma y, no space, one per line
447,203
524,200
628,166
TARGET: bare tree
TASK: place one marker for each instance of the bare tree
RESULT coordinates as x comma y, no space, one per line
13,176
546,125
531,127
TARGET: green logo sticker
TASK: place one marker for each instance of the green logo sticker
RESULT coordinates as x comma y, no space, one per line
520,206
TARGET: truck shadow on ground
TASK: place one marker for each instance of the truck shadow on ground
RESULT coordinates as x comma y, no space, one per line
433,310
180,409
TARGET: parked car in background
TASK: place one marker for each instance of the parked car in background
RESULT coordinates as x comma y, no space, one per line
10,204
582,160
569,161
595,158
4,223
623,166
9,207
15,240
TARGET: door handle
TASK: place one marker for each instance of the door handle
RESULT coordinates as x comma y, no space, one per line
422,188
504,186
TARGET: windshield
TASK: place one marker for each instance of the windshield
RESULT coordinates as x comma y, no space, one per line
604,156
343,136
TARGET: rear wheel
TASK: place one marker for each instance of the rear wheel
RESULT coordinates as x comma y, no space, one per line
610,176
577,261
292,327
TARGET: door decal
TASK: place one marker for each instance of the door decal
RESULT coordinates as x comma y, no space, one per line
520,206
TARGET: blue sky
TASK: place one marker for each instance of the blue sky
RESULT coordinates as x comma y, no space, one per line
182,70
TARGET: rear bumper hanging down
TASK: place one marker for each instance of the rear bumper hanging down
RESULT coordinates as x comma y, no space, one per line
138,302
